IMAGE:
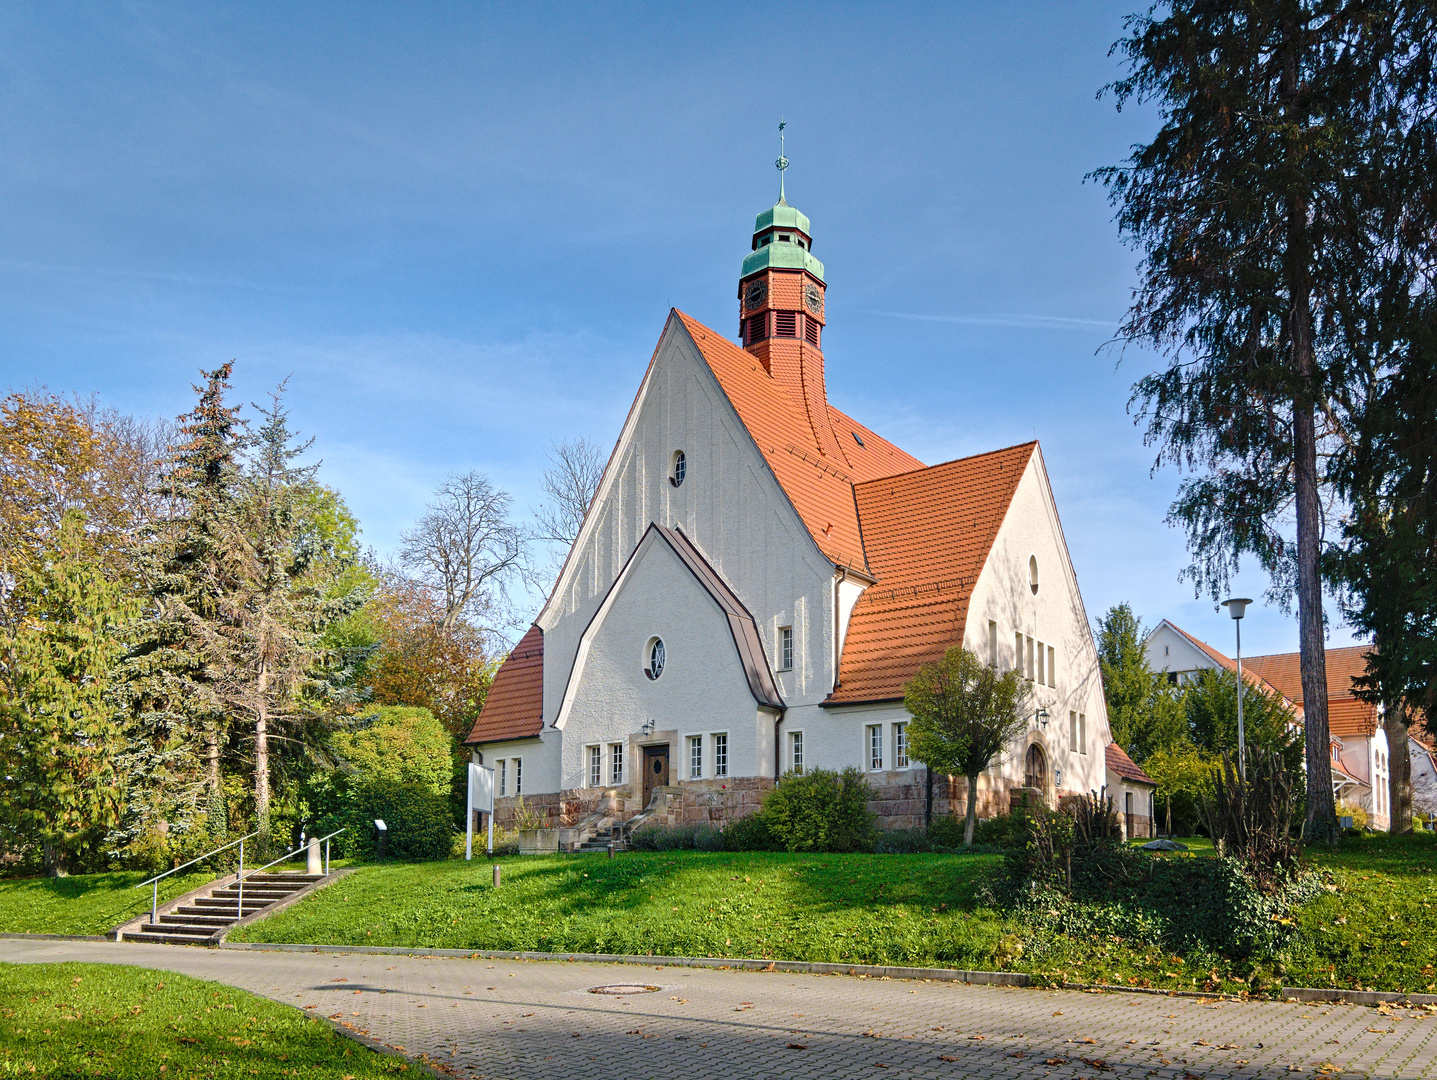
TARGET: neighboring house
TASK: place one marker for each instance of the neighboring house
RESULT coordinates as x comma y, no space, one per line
1134,794
758,576
1424,773
1360,767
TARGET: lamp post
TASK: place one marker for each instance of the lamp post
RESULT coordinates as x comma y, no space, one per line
1237,607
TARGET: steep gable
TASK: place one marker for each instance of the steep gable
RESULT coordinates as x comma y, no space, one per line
928,533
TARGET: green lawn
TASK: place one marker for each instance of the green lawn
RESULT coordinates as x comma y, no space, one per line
77,1020
83,904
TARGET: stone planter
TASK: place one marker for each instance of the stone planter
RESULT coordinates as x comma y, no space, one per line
538,841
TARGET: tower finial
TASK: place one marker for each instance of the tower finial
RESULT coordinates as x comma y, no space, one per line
782,161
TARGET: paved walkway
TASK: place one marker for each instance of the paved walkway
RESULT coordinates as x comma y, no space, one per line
501,1019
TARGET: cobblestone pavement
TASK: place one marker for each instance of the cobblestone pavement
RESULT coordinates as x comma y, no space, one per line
501,1019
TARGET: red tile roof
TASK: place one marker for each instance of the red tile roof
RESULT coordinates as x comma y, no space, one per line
1249,674
1346,715
1119,762
514,708
928,534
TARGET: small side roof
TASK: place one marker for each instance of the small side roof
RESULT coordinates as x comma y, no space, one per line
1119,763
514,708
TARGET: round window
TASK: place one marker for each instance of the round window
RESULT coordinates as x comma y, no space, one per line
656,658
1033,573
676,475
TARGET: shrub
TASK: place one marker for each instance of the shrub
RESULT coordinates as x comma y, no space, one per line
1350,809
904,842
1005,830
417,817
693,837
821,811
398,744
750,834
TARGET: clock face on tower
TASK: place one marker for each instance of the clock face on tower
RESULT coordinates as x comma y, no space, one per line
755,295
813,298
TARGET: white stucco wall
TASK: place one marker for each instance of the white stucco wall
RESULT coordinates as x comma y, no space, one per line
702,690
1171,652
1054,616
540,757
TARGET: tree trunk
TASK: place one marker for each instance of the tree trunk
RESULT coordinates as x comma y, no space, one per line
1399,768
215,817
1321,823
261,763
55,860
972,819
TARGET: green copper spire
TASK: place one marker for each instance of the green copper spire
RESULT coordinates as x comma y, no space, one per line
781,234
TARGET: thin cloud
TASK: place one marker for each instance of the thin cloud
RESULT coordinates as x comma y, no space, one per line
1021,322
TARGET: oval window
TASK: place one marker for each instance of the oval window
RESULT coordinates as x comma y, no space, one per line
680,468
655,666
1033,573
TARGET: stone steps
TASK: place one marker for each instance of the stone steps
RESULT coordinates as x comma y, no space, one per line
202,917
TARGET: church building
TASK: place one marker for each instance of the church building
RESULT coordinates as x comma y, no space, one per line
757,578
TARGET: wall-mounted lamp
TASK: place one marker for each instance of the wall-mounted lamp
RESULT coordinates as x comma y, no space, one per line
1041,716
648,727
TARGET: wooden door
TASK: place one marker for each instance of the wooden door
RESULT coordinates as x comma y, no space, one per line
656,770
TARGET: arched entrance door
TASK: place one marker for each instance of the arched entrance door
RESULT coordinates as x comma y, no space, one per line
1035,768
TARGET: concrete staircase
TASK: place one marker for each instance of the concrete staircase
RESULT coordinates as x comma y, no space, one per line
202,917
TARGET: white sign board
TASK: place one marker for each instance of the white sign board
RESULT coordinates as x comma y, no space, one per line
481,797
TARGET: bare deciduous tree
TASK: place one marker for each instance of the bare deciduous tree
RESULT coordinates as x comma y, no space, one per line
570,482
464,548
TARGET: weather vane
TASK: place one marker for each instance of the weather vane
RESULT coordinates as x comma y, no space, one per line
782,161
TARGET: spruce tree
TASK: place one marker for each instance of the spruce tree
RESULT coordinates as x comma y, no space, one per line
1145,713
59,734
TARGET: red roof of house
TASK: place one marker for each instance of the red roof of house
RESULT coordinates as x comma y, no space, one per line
514,708
1119,762
1249,675
1346,715
928,534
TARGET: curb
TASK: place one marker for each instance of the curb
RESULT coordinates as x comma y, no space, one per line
218,938
54,937
1356,997
800,967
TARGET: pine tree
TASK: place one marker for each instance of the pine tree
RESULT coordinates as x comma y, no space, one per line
59,734
171,677
1144,712
1268,208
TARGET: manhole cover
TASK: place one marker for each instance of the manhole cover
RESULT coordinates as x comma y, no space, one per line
624,988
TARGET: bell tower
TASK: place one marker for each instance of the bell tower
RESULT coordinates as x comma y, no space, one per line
781,309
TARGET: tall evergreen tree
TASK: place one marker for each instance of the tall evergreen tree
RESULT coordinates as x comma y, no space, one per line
1145,713
172,675
58,731
1254,206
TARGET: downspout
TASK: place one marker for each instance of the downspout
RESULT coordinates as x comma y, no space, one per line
778,745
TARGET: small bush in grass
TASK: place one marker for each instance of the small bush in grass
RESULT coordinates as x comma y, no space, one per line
905,841
693,837
750,834
821,811
417,817
1005,831
1350,809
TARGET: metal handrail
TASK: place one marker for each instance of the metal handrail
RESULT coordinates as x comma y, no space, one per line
155,881
239,880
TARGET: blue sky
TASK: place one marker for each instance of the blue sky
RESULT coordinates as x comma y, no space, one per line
458,228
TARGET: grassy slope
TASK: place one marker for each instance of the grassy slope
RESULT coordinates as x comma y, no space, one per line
856,908
83,904
79,1020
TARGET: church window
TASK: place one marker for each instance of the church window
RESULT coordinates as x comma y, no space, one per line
900,746
1033,573
721,754
785,324
657,658
1040,680
785,648
1052,673
696,757
1030,658
680,468
795,756
1018,651
1073,729
875,747
992,643
1082,733
616,764
596,766
785,237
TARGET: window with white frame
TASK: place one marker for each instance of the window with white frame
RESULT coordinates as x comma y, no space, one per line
1029,642
503,776
1041,677
596,766
1018,651
1073,729
1052,667
518,776
875,747
1082,733
900,746
616,764
785,648
721,754
795,752
992,643
696,757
